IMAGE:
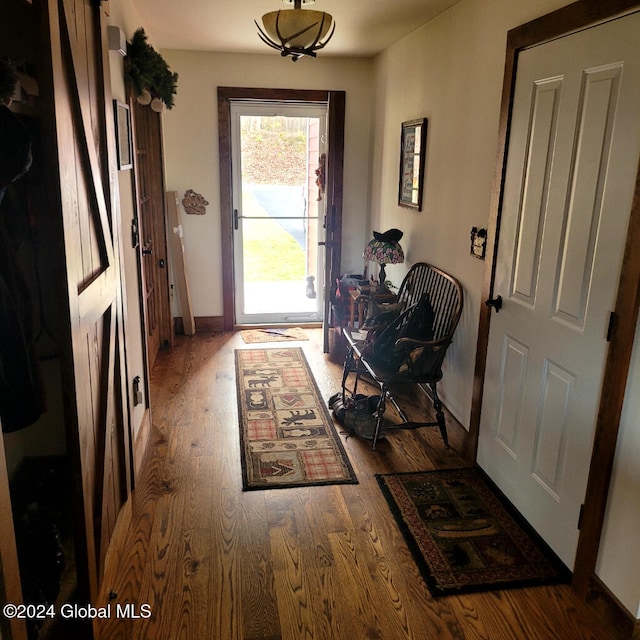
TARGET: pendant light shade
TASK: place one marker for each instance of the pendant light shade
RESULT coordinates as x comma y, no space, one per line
296,32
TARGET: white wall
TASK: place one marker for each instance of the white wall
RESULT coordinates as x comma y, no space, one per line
191,148
619,557
450,71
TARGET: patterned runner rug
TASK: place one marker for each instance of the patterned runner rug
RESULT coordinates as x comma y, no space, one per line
466,537
252,336
287,438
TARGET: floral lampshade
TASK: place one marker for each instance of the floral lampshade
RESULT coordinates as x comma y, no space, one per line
383,253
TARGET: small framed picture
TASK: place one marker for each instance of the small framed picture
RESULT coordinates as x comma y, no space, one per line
123,135
413,143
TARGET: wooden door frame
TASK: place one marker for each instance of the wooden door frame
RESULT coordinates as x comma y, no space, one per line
564,21
334,195
165,325
225,96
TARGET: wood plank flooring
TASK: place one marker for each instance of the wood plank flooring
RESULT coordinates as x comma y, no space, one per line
319,563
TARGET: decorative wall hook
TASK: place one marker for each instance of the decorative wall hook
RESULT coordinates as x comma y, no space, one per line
194,203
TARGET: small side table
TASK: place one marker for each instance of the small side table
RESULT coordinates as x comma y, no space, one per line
357,298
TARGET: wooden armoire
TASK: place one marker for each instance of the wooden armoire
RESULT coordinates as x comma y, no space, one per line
62,219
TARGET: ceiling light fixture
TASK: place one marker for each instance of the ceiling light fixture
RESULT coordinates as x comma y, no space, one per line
295,32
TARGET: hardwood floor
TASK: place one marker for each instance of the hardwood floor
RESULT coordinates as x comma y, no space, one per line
214,562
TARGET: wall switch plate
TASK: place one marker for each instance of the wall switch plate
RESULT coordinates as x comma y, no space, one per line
478,243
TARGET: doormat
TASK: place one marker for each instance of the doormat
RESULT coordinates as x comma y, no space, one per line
464,535
287,438
252,336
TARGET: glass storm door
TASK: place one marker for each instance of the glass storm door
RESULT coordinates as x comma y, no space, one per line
278,157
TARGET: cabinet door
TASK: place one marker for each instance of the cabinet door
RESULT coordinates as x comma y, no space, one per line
82,153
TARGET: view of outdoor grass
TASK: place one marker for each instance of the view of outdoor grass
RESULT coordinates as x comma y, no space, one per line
271,254
273,153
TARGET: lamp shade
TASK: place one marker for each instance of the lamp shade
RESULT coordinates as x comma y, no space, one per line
383,252
296,32
297,29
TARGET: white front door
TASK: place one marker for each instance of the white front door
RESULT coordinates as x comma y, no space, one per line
572,160
278,211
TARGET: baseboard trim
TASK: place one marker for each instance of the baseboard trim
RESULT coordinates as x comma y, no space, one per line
600,598
204,324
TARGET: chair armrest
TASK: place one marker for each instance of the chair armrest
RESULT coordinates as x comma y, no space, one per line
423,359
410,344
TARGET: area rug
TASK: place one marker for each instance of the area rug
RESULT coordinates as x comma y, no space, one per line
464,536
252,336
287,437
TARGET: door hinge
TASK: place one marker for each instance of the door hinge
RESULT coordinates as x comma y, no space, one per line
612,325
580,517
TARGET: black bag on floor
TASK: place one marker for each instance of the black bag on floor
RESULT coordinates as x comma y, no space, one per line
357,415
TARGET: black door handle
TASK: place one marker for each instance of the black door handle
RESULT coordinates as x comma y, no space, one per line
496,303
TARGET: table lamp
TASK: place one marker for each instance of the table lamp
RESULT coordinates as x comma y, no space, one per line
384,249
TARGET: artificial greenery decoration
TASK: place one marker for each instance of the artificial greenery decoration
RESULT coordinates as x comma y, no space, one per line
148,70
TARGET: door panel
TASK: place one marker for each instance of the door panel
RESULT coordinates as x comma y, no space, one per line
552,428
150,199
511,393
334,188
598,103
573,152
98,424
544,123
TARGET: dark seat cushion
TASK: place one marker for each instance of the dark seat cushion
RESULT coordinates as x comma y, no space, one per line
415,323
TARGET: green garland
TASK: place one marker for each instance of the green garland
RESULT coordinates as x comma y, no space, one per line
148,70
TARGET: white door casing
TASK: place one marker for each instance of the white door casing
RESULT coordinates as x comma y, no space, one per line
572,160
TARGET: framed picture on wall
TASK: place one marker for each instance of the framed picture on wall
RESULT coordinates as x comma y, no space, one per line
123,134
413,143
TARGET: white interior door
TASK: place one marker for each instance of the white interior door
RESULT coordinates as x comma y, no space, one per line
278,211
572,160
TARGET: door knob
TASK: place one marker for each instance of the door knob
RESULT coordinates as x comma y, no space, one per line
496,303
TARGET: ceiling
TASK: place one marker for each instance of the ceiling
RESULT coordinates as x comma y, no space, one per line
363,27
